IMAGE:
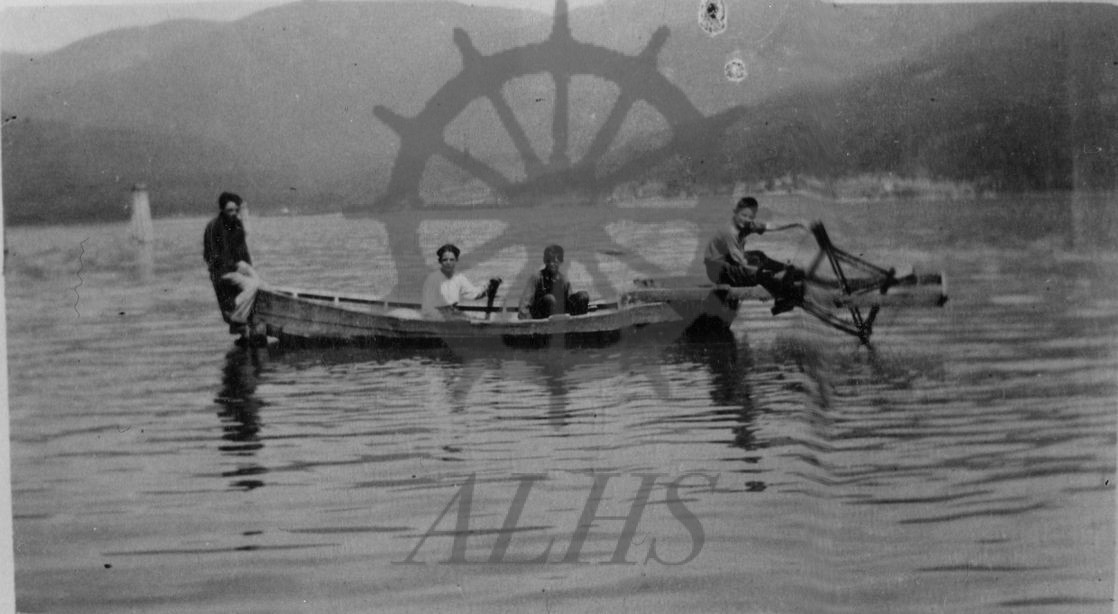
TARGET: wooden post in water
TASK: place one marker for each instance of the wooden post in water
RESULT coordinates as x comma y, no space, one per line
141,232
141,229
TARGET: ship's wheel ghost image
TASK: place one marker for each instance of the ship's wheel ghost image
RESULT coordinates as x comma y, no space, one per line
555,177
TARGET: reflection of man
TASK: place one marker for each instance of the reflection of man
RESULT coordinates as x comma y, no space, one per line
727,261
549,293
225,251
239,411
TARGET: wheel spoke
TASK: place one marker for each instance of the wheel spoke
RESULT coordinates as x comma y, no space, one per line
600,284
561,24
487,251
403,244
467,162
533,166
560,121
608,132
633,168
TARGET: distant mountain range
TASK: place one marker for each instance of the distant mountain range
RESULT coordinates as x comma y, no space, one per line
279,105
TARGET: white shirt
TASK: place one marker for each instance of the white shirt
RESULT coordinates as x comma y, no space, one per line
440,291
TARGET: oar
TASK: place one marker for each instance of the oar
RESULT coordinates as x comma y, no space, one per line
490,294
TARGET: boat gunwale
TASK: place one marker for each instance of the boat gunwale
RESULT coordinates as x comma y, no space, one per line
340,300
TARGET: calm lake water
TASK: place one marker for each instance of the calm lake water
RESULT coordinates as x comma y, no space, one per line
963,463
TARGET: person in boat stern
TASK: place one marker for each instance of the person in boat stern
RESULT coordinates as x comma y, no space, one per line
728,262
549,293
225,251
444,288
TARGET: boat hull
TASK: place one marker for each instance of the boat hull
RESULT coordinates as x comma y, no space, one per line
651,309
315,317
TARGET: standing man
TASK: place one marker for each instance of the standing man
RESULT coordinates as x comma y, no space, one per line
225,251
728,262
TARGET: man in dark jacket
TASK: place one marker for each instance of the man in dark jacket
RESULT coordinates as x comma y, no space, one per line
549,293
225,251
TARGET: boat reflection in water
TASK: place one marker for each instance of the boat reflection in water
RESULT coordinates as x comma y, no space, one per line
239,412
567,382
730,363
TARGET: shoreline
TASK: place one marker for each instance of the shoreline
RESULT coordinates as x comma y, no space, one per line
1087,196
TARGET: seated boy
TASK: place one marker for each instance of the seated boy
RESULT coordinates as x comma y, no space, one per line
549,293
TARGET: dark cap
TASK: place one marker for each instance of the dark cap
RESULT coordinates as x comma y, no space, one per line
228,197
746,202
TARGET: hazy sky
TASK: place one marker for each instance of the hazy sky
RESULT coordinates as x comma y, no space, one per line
36,26
45,26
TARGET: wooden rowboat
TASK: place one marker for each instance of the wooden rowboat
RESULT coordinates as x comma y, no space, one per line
318,316
666,307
